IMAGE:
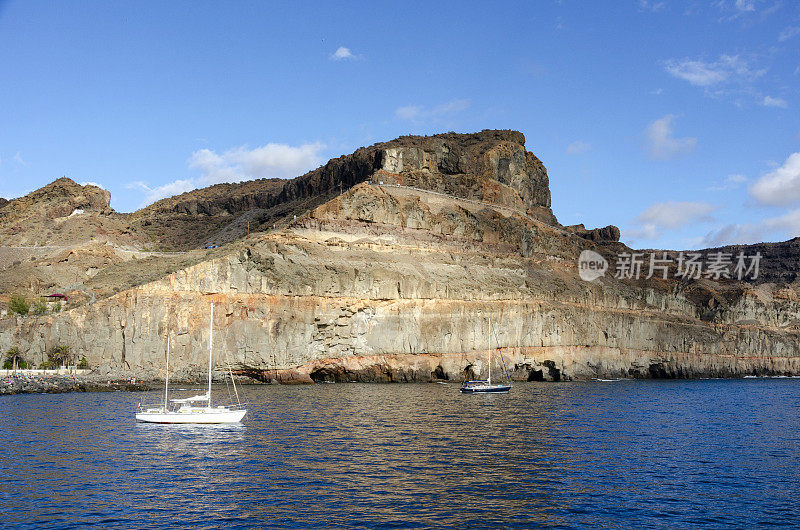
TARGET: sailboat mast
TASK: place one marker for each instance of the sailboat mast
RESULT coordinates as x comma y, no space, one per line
490,350
210,350
166,379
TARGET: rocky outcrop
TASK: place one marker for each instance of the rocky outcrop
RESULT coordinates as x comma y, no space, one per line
60,198
494,155
489,166
60,214
389,284
397,278
608,234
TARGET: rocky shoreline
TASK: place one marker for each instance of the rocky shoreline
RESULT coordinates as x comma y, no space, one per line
127,381
57,384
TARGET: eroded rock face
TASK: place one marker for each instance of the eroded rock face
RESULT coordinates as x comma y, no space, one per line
608,234
490,166
398,283
391,285
489,155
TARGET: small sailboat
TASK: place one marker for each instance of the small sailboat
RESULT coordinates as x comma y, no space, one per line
195,409
480,386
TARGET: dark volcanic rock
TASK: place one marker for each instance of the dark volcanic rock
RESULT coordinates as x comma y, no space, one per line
779,262
607,234
490,166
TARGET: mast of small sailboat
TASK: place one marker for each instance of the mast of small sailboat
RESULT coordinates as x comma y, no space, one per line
166,379
490,351
210,350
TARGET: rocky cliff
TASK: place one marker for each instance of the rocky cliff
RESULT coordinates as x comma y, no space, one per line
489,165
397,278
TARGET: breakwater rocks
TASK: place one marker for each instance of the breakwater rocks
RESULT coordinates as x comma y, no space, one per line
57,384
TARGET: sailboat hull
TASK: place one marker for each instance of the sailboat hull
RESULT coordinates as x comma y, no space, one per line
220,415
473,387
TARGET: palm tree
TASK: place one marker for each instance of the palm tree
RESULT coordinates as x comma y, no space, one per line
13,355
61,354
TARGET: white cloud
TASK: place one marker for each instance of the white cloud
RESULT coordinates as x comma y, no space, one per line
670,215
660,142
655,7
162,192
732,234
696,72
342,53
419,113
788,223
237,164
788,33
780,187
779,228
578,147
453,106
742,9
269,160
409,112
769,101
18,159
90,183
707,73
675,214
647,231
730,182
737,7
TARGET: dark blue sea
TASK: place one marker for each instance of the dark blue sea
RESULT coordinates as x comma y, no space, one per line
625,454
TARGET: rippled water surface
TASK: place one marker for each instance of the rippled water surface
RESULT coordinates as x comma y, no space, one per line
622,454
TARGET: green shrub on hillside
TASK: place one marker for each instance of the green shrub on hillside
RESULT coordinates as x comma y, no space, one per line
39,307
19,305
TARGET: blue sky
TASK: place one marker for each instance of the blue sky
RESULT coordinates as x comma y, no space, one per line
676,121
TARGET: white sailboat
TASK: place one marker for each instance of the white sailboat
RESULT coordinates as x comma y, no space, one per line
195,409
480,386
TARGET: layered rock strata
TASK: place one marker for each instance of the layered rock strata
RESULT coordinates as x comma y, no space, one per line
489,166
383,284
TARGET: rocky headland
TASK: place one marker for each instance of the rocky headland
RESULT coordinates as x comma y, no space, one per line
395,279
